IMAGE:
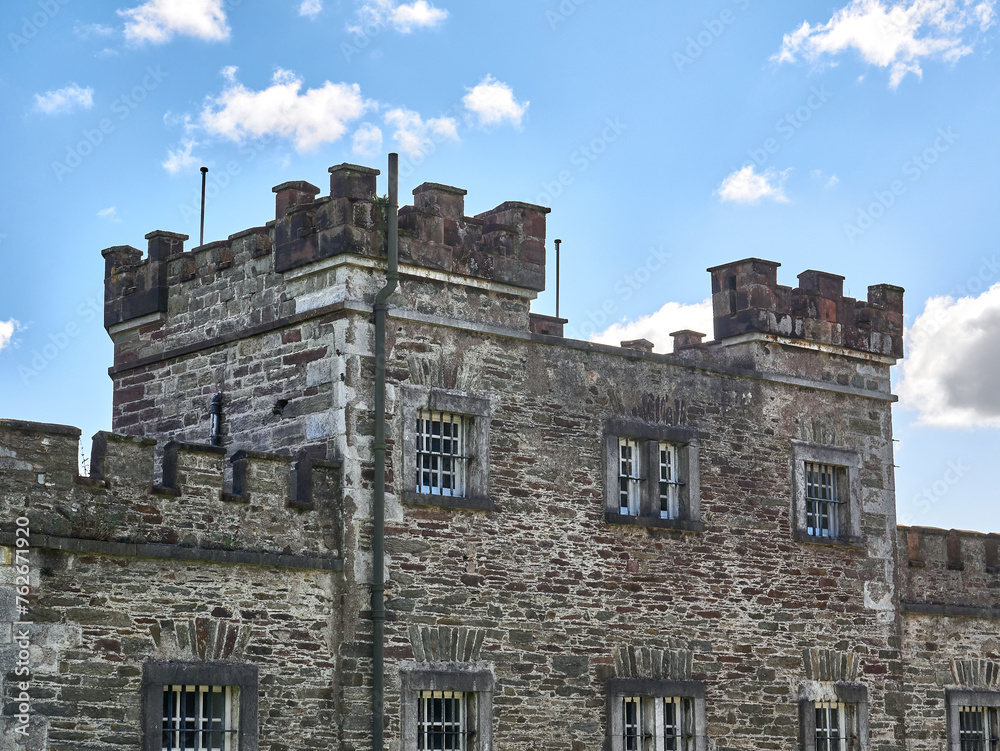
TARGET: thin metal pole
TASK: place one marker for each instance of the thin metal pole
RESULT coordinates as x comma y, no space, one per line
558,243
201,235
378,503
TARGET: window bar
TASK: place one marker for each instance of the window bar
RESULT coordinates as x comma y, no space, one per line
822,500
631,723
673,738
669,484
629,475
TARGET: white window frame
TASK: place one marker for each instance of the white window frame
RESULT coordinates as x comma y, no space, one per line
240,682
458,725
645,726
177,724
472,415
960,702
670,484
840,497
822,500
638,712
474,686
630,476
835,729
441,453
651,475
846,704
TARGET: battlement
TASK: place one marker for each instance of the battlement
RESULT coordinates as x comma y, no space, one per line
275,505
746,298
505,245
948,571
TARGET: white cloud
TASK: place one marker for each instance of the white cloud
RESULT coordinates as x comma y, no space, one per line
66,99
656,327
950,372
312,118
229,73
894,35
110,213
7,329
746,186
493,103
403,17
832,182
180,158
92,30
417,136
367,140
310,8
157,21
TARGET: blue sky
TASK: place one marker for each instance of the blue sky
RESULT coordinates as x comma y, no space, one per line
854,137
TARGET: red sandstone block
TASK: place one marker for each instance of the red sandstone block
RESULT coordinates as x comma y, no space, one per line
308,355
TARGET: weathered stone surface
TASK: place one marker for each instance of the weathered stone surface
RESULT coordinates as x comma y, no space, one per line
233,553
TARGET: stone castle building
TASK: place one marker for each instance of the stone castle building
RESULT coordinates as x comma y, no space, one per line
586,547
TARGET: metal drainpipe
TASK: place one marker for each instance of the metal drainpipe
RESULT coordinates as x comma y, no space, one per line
378,504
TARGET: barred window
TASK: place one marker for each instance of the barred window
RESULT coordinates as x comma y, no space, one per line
629,477
822,500
826,494
669,482
657,723
834,727
632,474
651,475
441,459
448,710
200,718
839,723
979,728
443,721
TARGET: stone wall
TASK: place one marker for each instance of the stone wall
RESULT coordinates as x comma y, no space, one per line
258,550
558,591
122,572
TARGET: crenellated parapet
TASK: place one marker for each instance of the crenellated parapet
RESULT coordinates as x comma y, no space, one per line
505,245
746,298
949,571
274,505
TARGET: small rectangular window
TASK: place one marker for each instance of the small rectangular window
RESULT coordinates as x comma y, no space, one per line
822,500
629,477
651,475
657,723
199,718
441,459
443,721
979,728
833,727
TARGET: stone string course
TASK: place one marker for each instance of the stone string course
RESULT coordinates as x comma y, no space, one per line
272,529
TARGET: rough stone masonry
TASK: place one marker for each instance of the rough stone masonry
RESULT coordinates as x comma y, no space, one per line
581,539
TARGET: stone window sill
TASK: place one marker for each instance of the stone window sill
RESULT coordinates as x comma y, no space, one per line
473,503
684,525
845,542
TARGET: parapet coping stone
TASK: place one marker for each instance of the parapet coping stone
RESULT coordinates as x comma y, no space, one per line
304,186
347,167
26,426
423,187
249,231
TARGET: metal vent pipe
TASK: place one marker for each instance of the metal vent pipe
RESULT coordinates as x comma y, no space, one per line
378,502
